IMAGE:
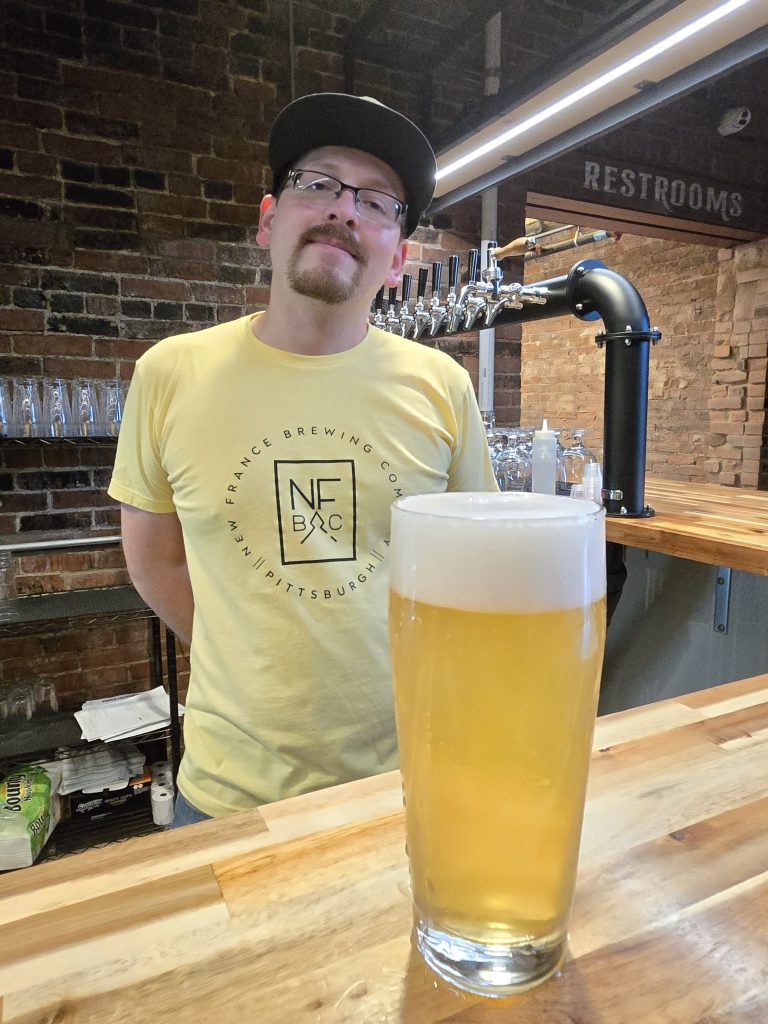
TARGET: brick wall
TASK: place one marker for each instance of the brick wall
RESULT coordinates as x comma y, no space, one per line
707,393
737,421
132,162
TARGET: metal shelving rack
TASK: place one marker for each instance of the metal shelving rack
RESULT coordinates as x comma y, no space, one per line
20,616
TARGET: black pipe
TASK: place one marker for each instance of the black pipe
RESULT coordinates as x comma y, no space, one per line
590,291
598,291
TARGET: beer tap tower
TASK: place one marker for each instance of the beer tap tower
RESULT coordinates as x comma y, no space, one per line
589,291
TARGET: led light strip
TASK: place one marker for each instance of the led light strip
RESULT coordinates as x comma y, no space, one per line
598,83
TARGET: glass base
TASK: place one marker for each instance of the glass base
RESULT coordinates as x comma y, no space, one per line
493,970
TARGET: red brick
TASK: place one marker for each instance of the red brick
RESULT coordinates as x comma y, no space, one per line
102,305
153,289
152,224
184,185
217,293
84,150
22,320
129,349
79,498
27,586
190,270
72,368
118,262
226,170
29,276
172,206
256,297
109,558
37,163
52,344
101,80
29,187
168,160
95,580
251,195
224,213
41,115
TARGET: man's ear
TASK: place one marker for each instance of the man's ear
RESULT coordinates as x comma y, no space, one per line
398,262
267,209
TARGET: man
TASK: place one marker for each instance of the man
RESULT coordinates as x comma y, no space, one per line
258,461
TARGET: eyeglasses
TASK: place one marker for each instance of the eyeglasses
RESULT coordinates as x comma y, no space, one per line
320,189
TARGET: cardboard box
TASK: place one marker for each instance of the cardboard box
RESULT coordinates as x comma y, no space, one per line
90,806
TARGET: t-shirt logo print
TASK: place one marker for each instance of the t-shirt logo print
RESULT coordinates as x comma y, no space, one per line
316,510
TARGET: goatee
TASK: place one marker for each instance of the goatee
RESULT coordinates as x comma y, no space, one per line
326,284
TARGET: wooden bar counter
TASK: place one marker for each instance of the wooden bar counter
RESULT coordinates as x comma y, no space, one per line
300,914
725,526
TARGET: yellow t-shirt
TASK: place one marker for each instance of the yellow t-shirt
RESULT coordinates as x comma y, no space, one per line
282,469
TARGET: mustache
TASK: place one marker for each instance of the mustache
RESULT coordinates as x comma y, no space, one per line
333,233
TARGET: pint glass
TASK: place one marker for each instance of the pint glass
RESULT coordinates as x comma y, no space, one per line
497,629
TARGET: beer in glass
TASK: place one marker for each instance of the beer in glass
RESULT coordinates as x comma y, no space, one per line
497,629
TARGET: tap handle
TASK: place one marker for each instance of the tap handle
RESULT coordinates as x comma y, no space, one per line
490,259
406,292
437,273
453,273
392,298
378,302
421,287
473,266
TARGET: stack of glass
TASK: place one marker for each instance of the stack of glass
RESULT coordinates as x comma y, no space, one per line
54,407
20,701
512,450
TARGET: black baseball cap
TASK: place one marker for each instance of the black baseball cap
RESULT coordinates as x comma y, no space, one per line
360,122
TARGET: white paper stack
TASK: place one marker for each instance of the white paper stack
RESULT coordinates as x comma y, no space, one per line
130,714
101,768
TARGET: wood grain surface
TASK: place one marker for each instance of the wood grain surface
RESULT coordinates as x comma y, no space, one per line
703,522
300,913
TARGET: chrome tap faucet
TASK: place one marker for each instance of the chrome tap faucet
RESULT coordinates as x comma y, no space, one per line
379,320
450,300
421,316
437,312
392,323
471,301
405,319
457,307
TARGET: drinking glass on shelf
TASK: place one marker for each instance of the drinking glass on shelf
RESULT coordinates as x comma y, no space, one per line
500,447
21,703
85,409
57,413
577,456
6,409
111,395
561,486
45,696
27,412
489,423
516,467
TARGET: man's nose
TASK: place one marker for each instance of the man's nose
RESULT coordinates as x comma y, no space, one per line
344,206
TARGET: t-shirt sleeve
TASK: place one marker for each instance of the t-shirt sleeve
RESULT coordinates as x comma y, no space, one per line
139,477
470,468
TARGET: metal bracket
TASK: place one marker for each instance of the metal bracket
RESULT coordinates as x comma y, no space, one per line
722,599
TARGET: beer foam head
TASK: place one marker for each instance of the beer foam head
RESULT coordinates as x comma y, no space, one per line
498,552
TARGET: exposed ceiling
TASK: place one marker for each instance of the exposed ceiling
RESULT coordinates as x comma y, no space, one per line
730,42
546,46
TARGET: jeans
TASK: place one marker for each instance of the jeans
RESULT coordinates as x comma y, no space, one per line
185,813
